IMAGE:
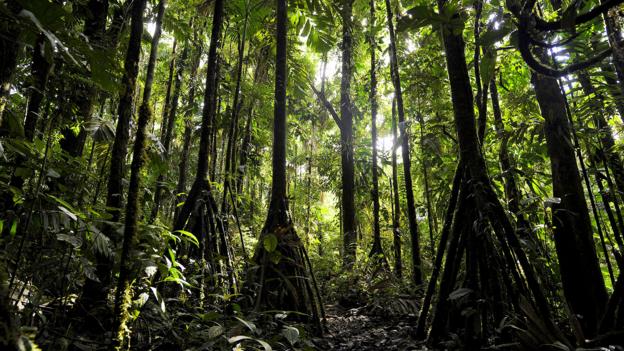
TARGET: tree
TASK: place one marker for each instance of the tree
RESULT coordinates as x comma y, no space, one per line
417,277
283,277
132,207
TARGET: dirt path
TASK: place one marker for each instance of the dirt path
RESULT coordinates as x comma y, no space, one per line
366,329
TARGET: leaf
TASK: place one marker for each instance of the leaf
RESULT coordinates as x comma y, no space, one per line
69,213
53,174
550,201
238,338
419,16
214,331
492,36
189,236
249,325
487,66
291,334
459,293
74,241
270,242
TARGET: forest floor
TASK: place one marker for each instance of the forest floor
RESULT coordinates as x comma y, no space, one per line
365,328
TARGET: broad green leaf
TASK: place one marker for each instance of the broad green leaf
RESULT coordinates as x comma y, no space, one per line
291,334
270,242
189,236
215,330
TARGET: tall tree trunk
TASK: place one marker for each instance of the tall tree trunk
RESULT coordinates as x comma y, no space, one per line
346,138
511,188
230,162
583,284
94,292
296,292
417,277
167,103
40,70
188,129
433,226
171,118
122,298
396,215
208,116
482,195
114,198
376,249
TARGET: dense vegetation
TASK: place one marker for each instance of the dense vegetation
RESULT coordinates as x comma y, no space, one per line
318,174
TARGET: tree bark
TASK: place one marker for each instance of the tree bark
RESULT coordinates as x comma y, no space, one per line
583,284
40,70
417,277
132,207
396,215
208,115
346,138
376,249
171,118
297,291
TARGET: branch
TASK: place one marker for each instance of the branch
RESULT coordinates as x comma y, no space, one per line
539,67
326,104
586,17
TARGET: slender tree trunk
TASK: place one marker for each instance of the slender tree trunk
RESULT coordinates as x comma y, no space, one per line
583,284
511,188
376,249
167,103
208,116
122,297
396,216
297,292
171,118
417,277
114,198
40,69
94,292
349,229
188,131
433,227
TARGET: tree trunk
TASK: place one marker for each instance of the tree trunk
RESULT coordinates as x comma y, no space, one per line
274,290
171,118
349,229
40,70
114,198
208,115
396,215
583,284
511,188
167,103
188,130
95,292
132,207
376,249
417,277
